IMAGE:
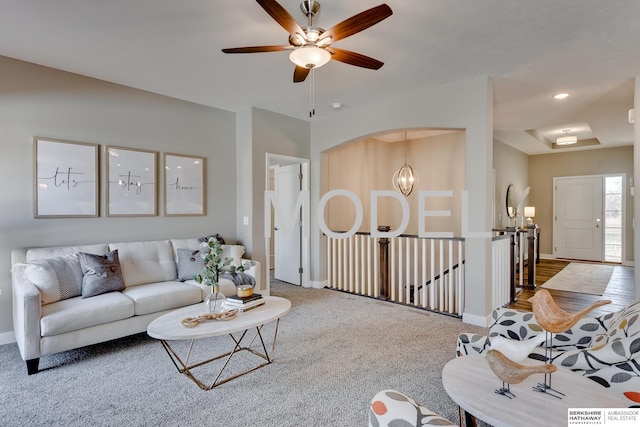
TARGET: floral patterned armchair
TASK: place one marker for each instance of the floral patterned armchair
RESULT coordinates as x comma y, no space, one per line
605,349
392,408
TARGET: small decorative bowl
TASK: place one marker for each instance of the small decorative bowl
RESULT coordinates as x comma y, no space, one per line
244,291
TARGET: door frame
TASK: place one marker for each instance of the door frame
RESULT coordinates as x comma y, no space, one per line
272,160
623,211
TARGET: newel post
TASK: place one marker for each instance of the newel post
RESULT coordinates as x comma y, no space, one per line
531,256
384,263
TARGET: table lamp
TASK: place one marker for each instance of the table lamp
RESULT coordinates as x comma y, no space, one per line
530,212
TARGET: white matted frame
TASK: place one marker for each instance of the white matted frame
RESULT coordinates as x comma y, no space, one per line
131,182
184,184
65,178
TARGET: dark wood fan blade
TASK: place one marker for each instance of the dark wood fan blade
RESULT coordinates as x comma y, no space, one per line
353,58
256,49
300,74
358,22
280,14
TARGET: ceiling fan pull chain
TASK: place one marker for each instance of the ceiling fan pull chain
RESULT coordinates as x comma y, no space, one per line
312,110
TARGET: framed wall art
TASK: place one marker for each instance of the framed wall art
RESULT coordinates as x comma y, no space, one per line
65,178
184,184
131,182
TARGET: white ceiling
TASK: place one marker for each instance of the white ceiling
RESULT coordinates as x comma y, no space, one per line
532,49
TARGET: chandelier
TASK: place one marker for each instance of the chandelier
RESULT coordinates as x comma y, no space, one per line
406,177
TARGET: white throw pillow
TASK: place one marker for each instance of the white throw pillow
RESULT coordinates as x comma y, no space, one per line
57,278
235,252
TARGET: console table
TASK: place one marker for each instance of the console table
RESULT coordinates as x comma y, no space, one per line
470,383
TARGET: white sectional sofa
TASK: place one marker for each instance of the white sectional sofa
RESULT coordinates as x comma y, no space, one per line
50,314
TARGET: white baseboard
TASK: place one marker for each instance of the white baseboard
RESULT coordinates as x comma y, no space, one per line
318,284
473,319
629,263
7,338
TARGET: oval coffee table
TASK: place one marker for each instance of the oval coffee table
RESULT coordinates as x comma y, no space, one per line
471,383
168,327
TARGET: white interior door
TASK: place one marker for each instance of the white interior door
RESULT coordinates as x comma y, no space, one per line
287,230
578,214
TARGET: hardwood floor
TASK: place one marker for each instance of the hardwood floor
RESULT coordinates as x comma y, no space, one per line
620,290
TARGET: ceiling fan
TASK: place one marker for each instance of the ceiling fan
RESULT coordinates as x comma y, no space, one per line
310,46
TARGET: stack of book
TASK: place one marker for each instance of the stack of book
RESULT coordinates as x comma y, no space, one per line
244,303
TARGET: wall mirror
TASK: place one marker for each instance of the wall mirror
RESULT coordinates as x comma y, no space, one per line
511,203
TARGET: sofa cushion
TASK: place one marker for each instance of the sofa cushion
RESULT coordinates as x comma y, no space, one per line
192,244
154,297
146,262
190,263
40,253
101,273
76,313
57,278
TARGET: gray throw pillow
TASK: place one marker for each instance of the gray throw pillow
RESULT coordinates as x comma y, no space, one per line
101,273
206,238
190,263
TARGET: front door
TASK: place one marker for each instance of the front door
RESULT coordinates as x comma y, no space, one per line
578,214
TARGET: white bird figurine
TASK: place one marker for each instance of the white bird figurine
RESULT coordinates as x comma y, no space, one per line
514,349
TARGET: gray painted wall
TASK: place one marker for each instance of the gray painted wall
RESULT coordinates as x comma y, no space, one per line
275,134
40,101
511,167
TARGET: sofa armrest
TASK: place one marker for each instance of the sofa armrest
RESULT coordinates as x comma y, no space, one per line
254,271
27,304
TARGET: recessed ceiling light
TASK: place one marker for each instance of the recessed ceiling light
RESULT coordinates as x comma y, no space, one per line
562,95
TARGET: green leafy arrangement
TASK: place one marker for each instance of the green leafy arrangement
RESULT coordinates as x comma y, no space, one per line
214,265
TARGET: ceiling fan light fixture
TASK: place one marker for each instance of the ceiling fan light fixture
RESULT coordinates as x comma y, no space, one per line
326,41
310,56
312,34
297,39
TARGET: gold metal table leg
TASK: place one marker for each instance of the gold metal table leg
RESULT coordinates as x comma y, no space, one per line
185,368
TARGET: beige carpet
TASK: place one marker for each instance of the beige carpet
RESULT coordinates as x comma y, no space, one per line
581,277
